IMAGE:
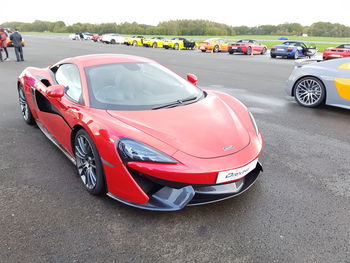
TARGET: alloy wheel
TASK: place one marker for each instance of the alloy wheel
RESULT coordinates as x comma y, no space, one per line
23,104
309,92
86,162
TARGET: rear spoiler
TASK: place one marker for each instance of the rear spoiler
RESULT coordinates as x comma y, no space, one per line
303,62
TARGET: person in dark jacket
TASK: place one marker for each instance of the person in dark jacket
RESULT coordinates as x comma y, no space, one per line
17,44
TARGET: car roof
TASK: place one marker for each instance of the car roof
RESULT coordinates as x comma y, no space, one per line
100,59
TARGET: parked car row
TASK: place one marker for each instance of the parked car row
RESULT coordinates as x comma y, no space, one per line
288,49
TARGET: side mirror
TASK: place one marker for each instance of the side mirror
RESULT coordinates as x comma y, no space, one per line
192,78
55,91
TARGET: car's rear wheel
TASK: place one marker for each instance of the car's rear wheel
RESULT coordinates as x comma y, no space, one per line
113,41
25,110
203,50
296,54
89,163
273,56
154,45
263,51
176,46
310,92
134,43
216,49
230,52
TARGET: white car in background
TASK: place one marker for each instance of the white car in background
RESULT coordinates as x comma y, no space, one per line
76,36
112,39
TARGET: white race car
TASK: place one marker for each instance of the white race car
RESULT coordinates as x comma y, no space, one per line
112,39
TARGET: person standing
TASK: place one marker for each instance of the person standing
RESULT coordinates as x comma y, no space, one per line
3,43
17,44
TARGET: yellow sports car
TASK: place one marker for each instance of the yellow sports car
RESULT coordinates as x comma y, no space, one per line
134,41
179,43
154,42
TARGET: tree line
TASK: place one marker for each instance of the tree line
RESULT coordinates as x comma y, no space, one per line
185,27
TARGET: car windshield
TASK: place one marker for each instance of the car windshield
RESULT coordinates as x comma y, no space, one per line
346,46
136,86
291,43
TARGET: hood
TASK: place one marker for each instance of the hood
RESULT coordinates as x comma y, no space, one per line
208,128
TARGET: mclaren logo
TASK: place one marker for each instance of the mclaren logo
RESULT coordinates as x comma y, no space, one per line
226,148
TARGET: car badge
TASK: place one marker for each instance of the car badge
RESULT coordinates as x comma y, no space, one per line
226,148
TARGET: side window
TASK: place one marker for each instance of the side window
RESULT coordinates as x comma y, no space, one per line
68,76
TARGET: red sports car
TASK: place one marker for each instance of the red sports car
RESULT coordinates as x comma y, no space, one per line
341,51
96,38
247,46
142,134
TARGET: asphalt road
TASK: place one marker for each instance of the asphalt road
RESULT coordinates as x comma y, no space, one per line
298,211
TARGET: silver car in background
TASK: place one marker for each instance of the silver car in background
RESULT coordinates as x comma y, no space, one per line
313,83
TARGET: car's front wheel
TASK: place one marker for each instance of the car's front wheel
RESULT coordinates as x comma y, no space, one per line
264,51
176,46
25,110
155,45
89,163
134,43
216,49
113,41
310,92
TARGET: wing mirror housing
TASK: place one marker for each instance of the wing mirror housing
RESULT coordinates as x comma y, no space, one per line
55,91
192,78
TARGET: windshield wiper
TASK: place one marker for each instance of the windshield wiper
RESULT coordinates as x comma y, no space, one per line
176,103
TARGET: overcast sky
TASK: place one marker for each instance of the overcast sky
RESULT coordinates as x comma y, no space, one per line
234,12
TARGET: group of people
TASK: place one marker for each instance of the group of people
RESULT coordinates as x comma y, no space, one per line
16,39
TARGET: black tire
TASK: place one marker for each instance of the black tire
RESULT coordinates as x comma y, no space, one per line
216,49
309,92
134,43
89,161
273,56
203,50
113,41
154,45
263,52
230,52
249,51
25,109
176,46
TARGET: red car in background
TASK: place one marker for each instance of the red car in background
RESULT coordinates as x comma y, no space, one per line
341,51
96,38
247,46
141,133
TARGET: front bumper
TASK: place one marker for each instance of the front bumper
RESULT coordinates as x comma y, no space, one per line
172,196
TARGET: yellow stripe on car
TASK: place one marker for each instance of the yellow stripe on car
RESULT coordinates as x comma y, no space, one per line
343,86
345,66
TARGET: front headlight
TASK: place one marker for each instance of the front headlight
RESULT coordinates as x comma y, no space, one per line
131,150
254,123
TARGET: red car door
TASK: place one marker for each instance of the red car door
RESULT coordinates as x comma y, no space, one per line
59,115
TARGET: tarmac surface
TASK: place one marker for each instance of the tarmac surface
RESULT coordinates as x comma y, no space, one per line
298,211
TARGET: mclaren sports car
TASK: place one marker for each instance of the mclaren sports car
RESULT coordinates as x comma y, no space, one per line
314,83
142,134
